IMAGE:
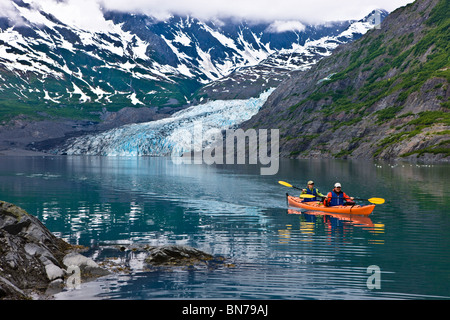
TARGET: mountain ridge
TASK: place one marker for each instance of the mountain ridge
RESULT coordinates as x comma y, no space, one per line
383,96
248,81
62,70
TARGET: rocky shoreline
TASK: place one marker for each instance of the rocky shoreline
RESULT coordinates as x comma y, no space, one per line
35,264
33,260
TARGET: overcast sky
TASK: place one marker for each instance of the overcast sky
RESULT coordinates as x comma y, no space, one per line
305,10
314,11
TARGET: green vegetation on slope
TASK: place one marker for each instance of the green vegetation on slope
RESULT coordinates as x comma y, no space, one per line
392,68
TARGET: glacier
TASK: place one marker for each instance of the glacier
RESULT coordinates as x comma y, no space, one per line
168,136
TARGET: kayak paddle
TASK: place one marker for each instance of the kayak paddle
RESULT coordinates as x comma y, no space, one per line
371,200
305,195
289,185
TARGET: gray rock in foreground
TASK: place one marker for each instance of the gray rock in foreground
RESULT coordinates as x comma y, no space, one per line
32,258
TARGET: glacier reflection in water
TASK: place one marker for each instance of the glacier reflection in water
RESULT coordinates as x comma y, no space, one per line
161,137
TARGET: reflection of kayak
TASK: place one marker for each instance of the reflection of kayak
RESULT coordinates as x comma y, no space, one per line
318,206
359,221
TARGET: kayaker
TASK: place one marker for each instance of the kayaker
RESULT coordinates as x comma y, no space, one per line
337,197
311,190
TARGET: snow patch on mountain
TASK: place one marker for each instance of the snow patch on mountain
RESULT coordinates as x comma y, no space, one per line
120,57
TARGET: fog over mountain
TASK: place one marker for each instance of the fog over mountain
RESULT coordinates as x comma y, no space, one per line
87,12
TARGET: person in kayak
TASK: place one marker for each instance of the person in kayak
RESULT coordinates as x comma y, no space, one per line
311,190
337,197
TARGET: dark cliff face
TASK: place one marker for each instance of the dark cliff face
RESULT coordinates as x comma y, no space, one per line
384,96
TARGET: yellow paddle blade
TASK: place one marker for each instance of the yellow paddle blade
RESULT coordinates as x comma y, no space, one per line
307,196
285,184
376,200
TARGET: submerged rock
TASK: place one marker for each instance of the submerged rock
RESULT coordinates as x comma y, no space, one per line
31,257
165,258
176,255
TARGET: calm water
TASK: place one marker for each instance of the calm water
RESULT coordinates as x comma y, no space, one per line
236,213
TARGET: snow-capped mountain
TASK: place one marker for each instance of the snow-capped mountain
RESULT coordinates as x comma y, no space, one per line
174,134
248,81
135,59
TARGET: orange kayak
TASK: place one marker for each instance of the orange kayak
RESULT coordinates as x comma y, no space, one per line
318,206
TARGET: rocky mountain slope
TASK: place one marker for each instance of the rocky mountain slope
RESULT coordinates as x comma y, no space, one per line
249,81
383,96
52,67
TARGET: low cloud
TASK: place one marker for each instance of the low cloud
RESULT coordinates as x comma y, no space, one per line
284,14
85,14
280,26
266,10
7,9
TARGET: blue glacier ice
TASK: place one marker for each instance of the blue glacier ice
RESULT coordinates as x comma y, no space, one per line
168,136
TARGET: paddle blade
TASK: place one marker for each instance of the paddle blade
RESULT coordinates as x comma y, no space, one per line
285,184
307,196
376,200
